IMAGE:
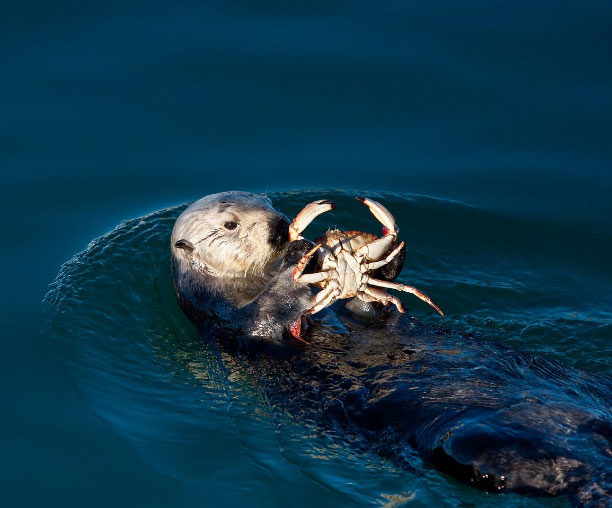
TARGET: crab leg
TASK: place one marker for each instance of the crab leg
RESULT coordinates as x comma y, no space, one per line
322,299
377,264
298,271
406,289
378,248
381,295
313,278
307,215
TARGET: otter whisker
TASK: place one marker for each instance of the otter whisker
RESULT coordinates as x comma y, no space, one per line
206,237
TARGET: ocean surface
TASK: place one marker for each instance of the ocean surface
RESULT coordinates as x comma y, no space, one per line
485,127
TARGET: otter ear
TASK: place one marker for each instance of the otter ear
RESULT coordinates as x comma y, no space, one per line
184,244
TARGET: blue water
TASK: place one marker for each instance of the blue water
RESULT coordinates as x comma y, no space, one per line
500,111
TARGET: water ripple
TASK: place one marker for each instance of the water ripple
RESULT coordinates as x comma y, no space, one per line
139,367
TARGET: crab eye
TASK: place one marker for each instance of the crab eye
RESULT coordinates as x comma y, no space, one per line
230,225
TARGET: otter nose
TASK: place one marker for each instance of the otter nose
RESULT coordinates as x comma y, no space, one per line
279,231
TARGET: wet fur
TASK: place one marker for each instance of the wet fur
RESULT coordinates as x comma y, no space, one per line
489,416
239,279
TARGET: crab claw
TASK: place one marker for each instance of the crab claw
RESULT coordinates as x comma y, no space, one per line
382,214
377,249
307,215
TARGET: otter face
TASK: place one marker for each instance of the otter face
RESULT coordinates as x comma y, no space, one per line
234,234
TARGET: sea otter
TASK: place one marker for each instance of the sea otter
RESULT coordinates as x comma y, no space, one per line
227,265
490,416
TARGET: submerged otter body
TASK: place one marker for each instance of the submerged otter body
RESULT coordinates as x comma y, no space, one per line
489,416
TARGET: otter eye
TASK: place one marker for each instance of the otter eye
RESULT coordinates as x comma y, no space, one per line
230,225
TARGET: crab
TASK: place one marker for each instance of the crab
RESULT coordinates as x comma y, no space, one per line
346,258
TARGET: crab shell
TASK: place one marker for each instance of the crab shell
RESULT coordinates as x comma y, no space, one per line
333,244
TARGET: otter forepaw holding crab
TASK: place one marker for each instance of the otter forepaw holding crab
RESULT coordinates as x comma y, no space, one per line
346,260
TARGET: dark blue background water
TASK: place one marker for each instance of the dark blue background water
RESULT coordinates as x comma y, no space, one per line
112,110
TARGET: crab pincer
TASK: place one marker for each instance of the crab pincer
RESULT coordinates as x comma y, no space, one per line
378,248
307,215
375,250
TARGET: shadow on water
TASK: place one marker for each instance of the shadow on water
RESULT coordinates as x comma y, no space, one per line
200,416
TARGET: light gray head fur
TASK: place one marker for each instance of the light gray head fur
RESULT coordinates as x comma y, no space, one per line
228,235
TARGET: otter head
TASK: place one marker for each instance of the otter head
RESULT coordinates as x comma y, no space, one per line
231,234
